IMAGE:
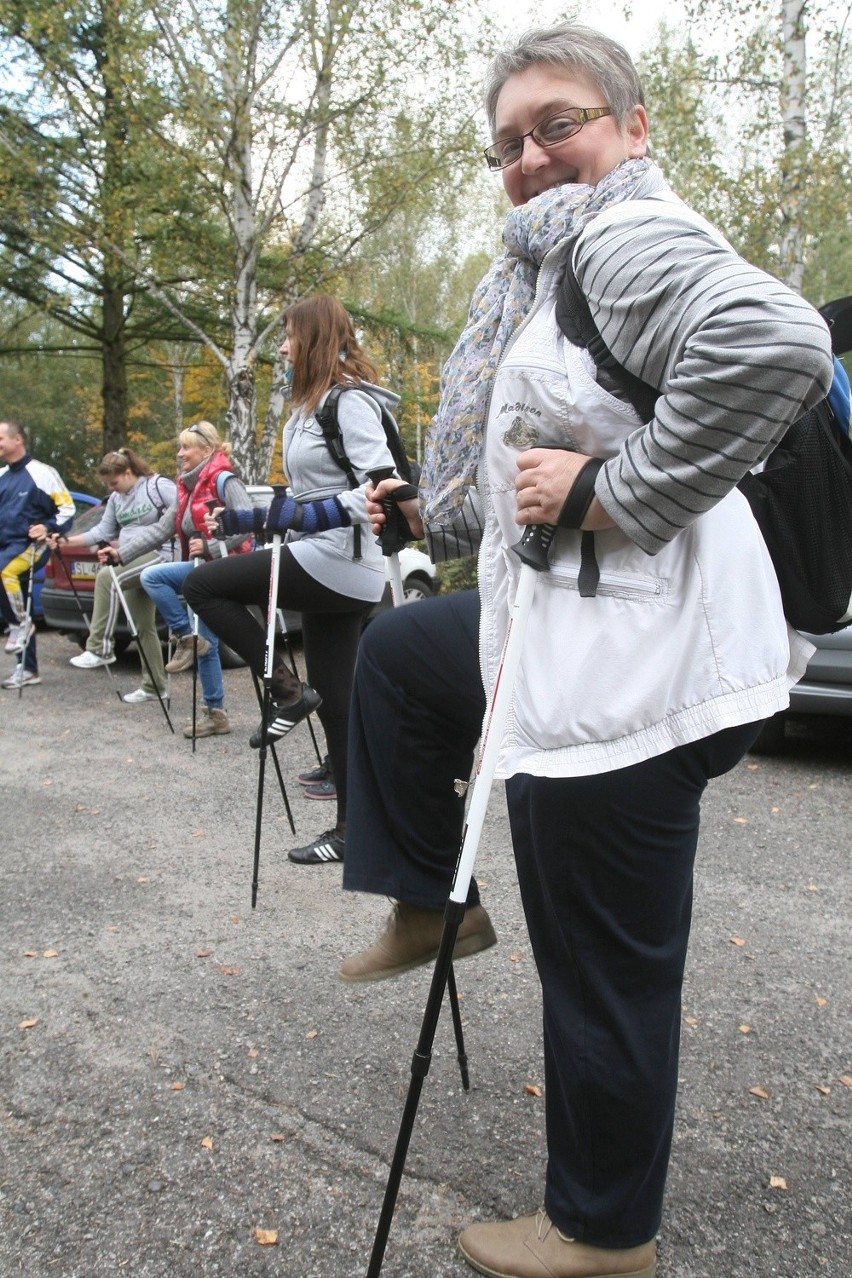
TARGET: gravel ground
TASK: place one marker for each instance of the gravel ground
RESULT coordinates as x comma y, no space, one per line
180,1071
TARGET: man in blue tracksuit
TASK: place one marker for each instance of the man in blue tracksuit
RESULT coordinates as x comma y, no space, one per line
33,502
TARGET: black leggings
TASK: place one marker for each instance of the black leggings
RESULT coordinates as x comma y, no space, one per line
331,627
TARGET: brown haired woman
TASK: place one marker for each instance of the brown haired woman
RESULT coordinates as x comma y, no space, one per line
332,570
137,499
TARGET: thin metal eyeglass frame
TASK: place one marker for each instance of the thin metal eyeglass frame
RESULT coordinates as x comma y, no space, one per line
492,155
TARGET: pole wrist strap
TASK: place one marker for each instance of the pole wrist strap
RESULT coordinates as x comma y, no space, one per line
580,495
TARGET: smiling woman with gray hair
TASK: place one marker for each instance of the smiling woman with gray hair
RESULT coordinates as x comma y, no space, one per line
656,643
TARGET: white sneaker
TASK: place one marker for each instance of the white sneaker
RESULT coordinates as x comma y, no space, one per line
20,636
20,677
90,660
140,695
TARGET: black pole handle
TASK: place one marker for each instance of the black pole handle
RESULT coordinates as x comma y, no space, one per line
389,539
534,547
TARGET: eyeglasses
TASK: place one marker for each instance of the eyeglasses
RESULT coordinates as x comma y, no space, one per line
550,132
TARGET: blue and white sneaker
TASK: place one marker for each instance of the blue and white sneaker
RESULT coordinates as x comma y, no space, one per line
325,850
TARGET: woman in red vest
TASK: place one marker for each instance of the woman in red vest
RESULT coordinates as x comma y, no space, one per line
206,474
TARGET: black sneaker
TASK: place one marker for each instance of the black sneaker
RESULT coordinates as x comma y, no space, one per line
323,851
316,776
283,718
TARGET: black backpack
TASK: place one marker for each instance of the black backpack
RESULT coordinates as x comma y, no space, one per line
327,418
330,427
801,499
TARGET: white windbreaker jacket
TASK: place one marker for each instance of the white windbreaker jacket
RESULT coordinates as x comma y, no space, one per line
674,646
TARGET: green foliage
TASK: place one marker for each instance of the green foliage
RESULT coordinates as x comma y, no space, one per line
730,135
457,574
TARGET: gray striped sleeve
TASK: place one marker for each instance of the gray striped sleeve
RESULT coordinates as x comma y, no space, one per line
737,355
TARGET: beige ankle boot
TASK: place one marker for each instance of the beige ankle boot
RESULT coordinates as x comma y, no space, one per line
411,937
210,723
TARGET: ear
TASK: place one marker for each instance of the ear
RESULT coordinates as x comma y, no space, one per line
636,133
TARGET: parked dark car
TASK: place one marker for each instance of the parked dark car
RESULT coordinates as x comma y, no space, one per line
826,686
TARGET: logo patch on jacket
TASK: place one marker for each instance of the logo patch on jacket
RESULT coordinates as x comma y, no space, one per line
520,434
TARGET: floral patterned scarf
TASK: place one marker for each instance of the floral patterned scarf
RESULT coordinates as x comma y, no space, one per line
500,303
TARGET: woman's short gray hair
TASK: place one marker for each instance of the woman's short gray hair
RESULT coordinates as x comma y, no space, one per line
575,48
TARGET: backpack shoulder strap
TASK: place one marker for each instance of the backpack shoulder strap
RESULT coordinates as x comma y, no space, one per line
221,480
330,427
157,500
575,320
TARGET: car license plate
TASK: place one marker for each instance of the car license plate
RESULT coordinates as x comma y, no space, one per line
85,570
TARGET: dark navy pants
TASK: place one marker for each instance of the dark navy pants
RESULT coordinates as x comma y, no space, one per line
415,719
605,872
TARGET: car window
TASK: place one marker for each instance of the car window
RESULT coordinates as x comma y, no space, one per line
89,518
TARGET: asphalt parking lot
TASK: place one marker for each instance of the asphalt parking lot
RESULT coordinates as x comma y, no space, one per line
187,1088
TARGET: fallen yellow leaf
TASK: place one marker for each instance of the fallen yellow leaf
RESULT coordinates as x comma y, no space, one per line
266,1237
50,954
737,940
311,1033
826,1091
777,1182
691,1020
761,1092
28,1023
821,1001
531,1089
745,1029
203,953
276,1136
741,820
176,1087
30,953
207,1142
253,1052
845,1079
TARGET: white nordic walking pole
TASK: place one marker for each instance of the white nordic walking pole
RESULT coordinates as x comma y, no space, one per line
193,617
116,585
268,665
390,539
69,577
533,550
28,614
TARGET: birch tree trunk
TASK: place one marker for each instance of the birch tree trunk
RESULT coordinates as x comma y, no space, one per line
794,160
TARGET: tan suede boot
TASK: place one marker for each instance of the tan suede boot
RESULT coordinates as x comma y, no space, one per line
411,937
532,1247
210,723
182,659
